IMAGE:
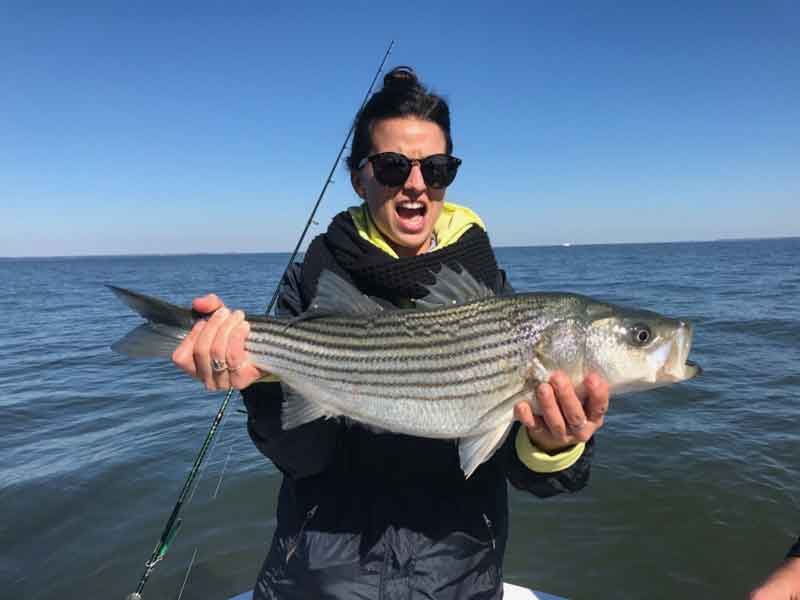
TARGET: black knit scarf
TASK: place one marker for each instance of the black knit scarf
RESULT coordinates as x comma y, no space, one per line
343,251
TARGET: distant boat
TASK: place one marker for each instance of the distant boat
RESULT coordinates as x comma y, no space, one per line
566,244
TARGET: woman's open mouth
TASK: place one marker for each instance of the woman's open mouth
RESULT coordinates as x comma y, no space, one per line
411,216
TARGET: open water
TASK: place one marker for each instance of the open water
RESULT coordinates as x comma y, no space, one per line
695,491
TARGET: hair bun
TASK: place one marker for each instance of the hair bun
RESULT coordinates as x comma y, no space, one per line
400,78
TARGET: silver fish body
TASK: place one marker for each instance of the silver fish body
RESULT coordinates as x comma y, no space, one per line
454,369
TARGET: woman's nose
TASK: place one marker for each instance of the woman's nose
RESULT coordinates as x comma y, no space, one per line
415,179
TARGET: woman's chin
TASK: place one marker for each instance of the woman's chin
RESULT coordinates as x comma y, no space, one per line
412,226
411,243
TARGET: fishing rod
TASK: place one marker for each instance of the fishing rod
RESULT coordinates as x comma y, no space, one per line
174,521
327,181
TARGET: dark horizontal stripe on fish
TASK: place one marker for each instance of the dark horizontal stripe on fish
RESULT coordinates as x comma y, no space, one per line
309,371
365,357
396,392
375,367
388,320
376,343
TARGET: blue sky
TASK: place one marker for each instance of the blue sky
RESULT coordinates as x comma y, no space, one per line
210,127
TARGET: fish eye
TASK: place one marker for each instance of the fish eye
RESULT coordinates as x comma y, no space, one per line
641,334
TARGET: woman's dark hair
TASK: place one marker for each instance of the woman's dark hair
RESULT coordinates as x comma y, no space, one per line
402,95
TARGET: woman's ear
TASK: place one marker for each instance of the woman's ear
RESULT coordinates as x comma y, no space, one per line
358,187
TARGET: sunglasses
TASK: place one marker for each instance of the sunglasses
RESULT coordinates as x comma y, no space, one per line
392,168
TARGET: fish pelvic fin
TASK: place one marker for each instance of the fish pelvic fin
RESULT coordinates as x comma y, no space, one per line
473,451
477,449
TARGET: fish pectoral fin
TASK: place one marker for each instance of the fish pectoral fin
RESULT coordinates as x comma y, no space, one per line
298,410
150,340
473,451
452,287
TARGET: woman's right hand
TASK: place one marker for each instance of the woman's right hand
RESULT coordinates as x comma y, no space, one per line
220,339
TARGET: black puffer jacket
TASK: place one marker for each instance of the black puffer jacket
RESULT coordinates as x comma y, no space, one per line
370,515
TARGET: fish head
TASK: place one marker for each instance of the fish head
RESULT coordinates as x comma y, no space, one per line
637,349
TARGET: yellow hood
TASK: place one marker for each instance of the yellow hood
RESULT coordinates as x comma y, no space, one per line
450,226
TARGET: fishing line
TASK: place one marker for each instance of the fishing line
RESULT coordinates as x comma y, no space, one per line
174,521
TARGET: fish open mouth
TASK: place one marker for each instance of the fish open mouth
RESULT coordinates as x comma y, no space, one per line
678,366
693,369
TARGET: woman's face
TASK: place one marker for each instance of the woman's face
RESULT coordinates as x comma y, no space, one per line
405,214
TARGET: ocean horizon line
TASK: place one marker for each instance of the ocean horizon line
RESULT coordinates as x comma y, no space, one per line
287,252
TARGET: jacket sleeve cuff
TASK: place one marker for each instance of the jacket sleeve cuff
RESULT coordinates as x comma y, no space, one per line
542,462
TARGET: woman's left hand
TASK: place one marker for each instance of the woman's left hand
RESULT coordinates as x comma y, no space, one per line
783,584
564,419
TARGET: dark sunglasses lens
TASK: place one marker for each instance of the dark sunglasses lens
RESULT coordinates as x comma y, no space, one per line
440,170
391,169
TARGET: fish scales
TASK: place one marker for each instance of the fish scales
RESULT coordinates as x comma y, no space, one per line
341,331
441,358
379,358
443,366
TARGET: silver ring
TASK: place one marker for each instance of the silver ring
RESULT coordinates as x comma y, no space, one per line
218,366
237,367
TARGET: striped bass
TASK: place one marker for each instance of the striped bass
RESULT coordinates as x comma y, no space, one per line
452,368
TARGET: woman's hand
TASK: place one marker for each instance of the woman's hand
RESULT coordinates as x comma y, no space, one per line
564,420
783,584
213,352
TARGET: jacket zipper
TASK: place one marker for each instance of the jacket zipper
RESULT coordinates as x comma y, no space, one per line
292,548
488,522
495,568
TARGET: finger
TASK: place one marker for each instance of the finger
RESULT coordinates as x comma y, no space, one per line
183,355
524,414
568,402
597,398
207,304
551,413
219,349
202,347
243,372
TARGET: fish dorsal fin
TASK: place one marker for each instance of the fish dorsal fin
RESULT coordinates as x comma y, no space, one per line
335,296
453,287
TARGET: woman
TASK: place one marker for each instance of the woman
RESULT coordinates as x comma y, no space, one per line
784,582
363,514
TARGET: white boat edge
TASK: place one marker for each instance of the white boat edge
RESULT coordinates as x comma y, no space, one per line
510,592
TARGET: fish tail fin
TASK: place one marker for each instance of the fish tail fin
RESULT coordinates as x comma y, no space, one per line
167,325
